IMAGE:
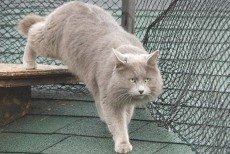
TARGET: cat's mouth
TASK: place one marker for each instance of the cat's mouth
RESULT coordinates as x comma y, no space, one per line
140,96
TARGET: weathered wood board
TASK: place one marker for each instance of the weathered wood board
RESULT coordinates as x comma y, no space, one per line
16,82
15,75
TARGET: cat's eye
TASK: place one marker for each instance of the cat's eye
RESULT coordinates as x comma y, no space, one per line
147,80
132,80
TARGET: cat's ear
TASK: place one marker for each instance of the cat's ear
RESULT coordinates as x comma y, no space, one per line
152,58
121,59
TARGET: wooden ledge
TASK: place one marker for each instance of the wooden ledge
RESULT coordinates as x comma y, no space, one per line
16,82
15,75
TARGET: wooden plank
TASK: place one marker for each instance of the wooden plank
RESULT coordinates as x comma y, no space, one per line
17,70
128,15
14,75
38,81
15,83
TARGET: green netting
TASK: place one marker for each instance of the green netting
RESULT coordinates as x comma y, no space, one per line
193,37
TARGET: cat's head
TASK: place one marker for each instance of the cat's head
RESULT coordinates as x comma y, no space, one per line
136,77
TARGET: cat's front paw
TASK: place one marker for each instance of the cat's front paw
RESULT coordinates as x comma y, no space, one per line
123,147
30,65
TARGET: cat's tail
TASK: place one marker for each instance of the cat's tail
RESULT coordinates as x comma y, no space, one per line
24,25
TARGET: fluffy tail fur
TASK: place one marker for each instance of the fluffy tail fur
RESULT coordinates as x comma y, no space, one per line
25,24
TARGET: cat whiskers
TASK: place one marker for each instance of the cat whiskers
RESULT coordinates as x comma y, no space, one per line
120,97
130,100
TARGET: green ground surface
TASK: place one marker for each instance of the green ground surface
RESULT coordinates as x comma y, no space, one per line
58,126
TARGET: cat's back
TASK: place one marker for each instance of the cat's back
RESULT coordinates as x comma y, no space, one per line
83,14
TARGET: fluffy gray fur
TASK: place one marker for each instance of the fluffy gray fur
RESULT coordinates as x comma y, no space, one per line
112,63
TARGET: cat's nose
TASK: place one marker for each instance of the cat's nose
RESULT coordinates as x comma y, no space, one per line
141,91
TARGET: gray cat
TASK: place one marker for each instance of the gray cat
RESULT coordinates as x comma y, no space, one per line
112,63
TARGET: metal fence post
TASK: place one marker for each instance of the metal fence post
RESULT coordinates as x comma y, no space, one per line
128,15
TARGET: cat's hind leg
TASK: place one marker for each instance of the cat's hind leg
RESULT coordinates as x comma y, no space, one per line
31,26
29,57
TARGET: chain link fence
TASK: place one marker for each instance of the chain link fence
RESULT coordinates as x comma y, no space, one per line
193,37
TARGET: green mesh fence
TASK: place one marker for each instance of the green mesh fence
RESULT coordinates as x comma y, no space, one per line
193,37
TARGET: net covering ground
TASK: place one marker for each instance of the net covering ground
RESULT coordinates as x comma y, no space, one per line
193,38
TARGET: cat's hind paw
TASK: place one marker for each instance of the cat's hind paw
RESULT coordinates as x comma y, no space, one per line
29,65
123,147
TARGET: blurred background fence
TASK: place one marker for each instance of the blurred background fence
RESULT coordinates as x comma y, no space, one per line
193,37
